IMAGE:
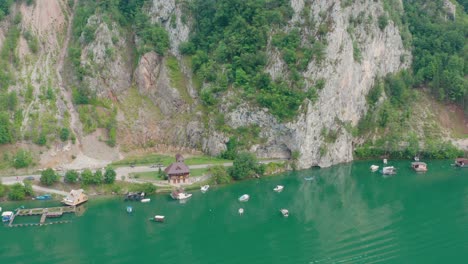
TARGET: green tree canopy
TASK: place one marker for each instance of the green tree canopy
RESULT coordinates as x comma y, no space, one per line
71,176
109,175
17,192
49,177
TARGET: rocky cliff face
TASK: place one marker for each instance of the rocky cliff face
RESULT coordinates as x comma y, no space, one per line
158,104
342,100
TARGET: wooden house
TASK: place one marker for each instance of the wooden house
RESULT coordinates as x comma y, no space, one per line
177,172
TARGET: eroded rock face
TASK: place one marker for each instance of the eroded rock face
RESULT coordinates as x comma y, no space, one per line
152,80
108,67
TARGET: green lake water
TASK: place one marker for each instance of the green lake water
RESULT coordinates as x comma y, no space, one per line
347,214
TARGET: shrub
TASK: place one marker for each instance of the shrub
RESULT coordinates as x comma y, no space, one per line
109,175
16,192
219,175
49,177
22,159
71,176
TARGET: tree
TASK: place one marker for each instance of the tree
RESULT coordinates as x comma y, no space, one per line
98,177
109,175
147,188
22,159
71,176
64,134
6,135
244,165
17,192
87,177
49,177
28,190
219,175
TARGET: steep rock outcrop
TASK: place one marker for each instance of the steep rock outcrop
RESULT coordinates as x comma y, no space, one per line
109,68
347,82
152,80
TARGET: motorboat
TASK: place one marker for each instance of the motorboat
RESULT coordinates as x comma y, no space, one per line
461,162
390,170
244,198
179,194
374,168
284,212
204,188
278,188
7,216
134,196
146,200
309,178
241,211
419,166
159,218
43,197
129,209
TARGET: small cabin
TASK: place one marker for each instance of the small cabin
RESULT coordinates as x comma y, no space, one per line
177,172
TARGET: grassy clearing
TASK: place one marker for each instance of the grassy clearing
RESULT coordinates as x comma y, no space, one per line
166,160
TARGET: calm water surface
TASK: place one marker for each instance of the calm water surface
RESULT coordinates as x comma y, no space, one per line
347,214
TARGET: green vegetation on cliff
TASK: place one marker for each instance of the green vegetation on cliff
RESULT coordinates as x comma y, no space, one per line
440,54
228,48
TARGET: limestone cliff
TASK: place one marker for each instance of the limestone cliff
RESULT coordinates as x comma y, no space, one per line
156,96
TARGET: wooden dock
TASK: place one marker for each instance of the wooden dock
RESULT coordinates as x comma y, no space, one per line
50,212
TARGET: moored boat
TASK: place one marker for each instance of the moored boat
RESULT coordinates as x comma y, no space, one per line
43,197
374,168
390,170
244,198
284,212
278,188
461,162
204,188
179,194
146,200
159,218
6,216
134,196
419,166
241,211
129,209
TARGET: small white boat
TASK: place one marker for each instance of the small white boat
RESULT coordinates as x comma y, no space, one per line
374,168
278,188
244,198
6,216
159,218
179,194
284,212
146,200
390,170
241,211
204,188
385,161
129,209
0,209
309,178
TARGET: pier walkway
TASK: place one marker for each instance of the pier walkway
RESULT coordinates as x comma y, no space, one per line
45,213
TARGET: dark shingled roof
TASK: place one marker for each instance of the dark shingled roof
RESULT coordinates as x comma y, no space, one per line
177,168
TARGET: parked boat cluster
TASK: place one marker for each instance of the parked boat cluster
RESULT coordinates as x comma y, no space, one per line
417,166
